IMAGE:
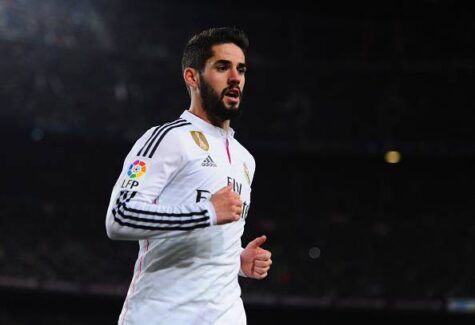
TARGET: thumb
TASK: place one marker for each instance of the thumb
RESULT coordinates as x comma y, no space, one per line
257,242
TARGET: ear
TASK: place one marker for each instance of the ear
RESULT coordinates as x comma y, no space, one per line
191,77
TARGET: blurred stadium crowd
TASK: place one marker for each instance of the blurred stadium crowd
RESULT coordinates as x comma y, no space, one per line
327,96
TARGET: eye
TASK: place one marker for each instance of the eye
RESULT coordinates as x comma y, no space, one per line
221,68
242,70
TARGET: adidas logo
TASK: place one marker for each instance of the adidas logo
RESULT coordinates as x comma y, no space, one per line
208,162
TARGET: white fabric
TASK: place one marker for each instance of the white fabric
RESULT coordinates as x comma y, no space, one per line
181,276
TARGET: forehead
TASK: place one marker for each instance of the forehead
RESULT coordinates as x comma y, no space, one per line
229,52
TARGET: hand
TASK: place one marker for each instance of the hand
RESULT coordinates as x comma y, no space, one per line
256,261
227,204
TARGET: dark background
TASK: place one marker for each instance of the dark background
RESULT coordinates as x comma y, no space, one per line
330,90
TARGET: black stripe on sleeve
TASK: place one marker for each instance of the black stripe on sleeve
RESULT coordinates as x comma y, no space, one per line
148,140
146,227
154,136
164,221
163,135
164,214
167,221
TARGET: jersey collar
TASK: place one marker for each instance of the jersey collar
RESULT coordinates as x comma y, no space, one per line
205,126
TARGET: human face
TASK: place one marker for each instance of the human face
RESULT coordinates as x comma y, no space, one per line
222,82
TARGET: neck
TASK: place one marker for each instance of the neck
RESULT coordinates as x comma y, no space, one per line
202,114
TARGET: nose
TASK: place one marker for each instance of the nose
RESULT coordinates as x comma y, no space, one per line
234,77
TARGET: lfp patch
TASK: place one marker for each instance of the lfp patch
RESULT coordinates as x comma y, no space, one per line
137,169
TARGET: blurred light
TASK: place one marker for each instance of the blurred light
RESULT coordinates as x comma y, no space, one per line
314,252
466,305
121,92
37,135
392,157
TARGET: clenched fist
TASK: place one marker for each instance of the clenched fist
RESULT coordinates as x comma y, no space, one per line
227,204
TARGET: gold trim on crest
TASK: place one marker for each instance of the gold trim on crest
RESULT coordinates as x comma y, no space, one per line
200,140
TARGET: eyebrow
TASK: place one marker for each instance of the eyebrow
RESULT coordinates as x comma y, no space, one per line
227,62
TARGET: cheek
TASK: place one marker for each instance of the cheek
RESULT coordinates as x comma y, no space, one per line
217,84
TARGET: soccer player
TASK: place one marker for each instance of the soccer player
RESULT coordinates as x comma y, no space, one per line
184,194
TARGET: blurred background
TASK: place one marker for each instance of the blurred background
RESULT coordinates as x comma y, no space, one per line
360,117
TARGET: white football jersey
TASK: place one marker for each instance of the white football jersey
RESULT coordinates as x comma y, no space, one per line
187,267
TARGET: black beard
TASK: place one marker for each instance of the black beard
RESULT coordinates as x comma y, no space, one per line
213,104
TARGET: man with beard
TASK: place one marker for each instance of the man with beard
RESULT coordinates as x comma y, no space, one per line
184,194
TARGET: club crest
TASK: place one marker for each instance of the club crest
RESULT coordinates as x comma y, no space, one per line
200,140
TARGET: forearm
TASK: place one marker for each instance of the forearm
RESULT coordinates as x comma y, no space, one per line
130,218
